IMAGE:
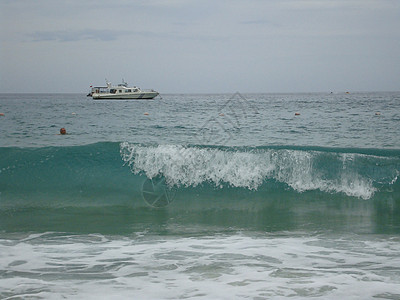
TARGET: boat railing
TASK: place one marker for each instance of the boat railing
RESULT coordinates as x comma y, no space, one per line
100,90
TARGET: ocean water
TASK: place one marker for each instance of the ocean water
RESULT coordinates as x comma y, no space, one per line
214,196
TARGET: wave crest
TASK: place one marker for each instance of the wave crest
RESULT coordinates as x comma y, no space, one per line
302,170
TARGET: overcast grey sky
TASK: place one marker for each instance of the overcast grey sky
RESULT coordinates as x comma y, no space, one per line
201,46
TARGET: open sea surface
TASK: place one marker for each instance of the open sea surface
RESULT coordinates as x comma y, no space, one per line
214,196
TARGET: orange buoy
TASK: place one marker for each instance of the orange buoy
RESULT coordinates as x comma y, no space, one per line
297,114
1,114
146,113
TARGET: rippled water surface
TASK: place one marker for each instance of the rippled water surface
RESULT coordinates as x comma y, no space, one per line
365,120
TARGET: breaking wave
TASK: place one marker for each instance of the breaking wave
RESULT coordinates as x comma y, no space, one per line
354,174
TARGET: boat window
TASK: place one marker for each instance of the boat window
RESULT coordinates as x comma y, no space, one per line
119,91
128,91
113,91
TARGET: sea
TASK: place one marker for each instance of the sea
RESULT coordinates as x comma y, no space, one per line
200,196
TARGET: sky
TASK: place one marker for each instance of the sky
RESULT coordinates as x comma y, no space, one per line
200,46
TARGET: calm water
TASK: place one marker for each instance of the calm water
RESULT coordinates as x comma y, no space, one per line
327,120
260,196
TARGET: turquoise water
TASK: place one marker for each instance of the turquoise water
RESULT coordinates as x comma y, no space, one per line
200,196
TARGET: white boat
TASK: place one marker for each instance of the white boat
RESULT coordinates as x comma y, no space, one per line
121,91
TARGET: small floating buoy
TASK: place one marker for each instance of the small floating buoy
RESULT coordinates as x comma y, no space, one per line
63,131
146,113
377,113
221,115
73,113
1,114
297,114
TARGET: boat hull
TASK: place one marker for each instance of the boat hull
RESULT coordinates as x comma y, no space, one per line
126,96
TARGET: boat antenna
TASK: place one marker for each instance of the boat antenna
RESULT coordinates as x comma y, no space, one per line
108,83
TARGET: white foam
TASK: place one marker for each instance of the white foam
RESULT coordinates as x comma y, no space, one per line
237,266
191,166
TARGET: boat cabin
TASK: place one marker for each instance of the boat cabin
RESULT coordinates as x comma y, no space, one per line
122,89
